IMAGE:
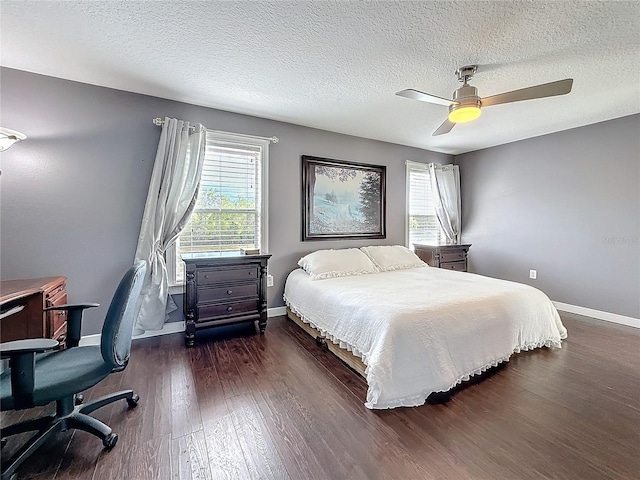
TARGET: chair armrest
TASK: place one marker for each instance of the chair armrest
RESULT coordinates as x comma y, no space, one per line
73,306
30,345
22,358
74,320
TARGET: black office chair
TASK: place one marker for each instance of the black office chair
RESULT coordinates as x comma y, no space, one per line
35,378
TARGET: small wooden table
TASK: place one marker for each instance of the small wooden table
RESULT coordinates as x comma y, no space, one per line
450,257
22,304
224,289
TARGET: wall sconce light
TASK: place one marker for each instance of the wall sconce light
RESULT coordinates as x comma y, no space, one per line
9,137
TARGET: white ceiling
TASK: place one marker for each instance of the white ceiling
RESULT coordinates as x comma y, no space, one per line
336,65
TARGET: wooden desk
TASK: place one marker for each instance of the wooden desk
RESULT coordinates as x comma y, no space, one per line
22,304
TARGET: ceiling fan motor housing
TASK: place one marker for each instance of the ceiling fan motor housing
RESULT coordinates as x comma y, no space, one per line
465,96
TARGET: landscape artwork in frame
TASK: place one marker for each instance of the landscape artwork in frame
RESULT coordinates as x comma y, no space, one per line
342,200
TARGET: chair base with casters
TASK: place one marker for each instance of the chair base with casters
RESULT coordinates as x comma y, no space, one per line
38,376
68,415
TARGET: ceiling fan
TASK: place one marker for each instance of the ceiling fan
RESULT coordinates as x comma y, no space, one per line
466,103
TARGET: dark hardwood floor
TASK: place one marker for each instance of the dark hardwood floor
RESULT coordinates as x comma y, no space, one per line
240,405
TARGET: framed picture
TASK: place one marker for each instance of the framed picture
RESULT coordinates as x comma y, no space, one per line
342,200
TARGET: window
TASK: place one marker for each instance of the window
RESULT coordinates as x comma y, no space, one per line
231,207
422,224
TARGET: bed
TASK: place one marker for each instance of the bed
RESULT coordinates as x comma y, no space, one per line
414,329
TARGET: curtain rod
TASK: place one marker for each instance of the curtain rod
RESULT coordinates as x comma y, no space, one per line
159,122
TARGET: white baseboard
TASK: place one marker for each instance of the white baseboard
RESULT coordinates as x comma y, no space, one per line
168,328
90,340
171,327
600,315
178,327
276,311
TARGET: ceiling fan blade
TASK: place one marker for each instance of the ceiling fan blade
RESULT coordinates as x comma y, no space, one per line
561,87
444,128
424,97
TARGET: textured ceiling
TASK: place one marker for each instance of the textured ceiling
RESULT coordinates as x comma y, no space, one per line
336,65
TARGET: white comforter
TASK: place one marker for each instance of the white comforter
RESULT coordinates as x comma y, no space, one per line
425,329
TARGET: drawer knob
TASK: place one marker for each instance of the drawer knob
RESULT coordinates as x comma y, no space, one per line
229,309
229,292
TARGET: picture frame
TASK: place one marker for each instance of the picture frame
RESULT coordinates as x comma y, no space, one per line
342,200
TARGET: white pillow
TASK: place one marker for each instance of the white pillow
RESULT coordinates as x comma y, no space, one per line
336,263
393,257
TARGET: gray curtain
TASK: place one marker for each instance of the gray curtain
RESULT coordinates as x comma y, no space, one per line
445,185
173,191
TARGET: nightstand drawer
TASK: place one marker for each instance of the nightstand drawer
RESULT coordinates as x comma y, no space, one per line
459,266
214,275
227,292
210,312
452,256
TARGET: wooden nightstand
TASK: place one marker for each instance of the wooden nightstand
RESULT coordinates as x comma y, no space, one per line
451,257
224,289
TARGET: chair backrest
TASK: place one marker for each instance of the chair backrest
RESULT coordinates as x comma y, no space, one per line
115,342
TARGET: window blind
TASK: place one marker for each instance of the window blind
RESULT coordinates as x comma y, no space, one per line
423,225
227,215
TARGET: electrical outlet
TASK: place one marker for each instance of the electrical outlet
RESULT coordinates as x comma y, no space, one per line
533,274
269,280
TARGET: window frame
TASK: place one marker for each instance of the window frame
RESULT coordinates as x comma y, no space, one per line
416,166
171,254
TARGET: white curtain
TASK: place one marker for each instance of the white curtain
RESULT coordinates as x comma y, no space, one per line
172,195
445,185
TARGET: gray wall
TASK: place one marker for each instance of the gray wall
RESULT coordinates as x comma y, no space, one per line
567,205
73,193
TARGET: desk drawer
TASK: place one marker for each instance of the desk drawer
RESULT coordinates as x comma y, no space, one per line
459,266
210,312
56,291
56,319
215,275
208,294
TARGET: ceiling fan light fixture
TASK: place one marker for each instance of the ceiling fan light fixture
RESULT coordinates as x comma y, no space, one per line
463,113
466,104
